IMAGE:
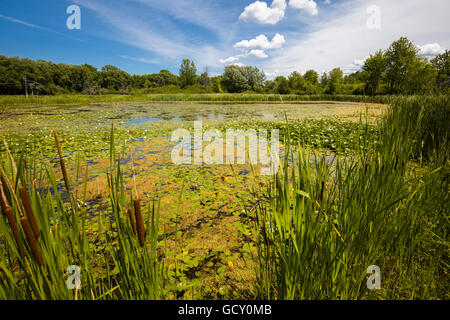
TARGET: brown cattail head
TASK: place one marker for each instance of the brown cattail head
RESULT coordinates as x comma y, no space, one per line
61,161
133,223
12,224
322,191
3,204
5,189
31,240
139,222
29,211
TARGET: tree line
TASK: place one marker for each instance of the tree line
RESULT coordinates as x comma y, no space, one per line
398,70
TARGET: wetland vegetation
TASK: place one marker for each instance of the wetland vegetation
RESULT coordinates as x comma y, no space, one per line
361,184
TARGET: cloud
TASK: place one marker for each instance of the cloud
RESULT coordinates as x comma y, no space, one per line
261,42
430,49
309,6
259,12
255,48
30,25
131,29
257,53
355,66
341,35
142,60
229,60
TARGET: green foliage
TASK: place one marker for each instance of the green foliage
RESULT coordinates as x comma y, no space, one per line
335,81
237,79
281,85
324,220
297,83
312,77
188,73
441,63
373,68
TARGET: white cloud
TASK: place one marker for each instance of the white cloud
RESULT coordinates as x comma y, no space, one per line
261,13
30,25
257,53
341,34
255,48
277,41
261,42
430,49
229,60
355,66
309,6
143,60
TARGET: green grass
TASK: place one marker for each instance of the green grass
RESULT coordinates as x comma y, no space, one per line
321,225
6,101
125,270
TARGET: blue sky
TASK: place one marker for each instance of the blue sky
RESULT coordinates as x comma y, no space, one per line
280,36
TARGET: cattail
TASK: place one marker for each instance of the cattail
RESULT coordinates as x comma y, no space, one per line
29,211
31,240
139,222
133,223
12,224
3,204
322,190
61,161
5,189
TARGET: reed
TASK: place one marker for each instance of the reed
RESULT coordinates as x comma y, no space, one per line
320,225
29,234
29,211
61,162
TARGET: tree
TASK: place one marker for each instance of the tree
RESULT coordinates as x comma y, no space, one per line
324,80
255,77
281,85
216,84
240,79
441,63
312,77
399,60
297,83
336,78
205,80
374,68
188,73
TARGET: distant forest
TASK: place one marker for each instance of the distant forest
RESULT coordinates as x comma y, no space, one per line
397,70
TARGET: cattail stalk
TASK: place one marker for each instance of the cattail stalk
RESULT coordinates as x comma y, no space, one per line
29,211
3,203
5,189
139,222
31,240
12,224
61,162
133,223
322,191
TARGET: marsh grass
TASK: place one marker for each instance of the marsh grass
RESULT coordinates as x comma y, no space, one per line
321,225
6,101
53,236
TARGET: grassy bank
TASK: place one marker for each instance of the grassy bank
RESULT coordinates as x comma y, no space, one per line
6,101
